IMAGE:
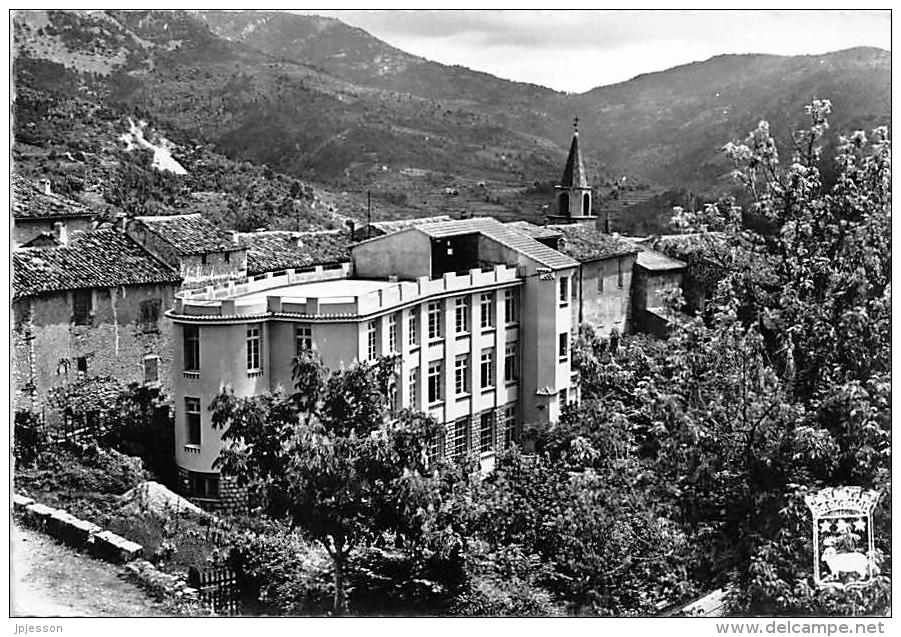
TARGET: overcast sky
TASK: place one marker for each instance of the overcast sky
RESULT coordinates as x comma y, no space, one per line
579,50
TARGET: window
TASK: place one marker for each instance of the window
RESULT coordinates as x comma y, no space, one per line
564,346
412,338
151,369
371,343
486,306
461,437
487,368
511,363
303,339
586,205
434,312
563,397
564,290
81,364
461,374
619,273
412,384
254,349
434,379
203,259
510,309
436,447
203,485
228,257
600,281
393,393
486,431
192,420
191,334
392,333
150,315
461,314
82,306
510,425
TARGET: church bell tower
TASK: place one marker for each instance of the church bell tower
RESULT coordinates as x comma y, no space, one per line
573,194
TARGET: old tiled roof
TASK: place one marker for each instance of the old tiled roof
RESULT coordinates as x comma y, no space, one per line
536,232
574,175
685,246
29,201
402,224
190,234
657,261
95,258
277,250
584,242
503,234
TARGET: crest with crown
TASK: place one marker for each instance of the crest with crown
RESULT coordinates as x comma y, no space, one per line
844,553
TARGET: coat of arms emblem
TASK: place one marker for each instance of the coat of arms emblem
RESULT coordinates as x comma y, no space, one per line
843,549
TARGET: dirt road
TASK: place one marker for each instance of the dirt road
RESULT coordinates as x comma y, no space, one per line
52,580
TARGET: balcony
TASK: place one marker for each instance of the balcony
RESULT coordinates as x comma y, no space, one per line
325,294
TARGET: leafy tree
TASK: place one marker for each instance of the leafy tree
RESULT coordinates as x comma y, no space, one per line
782,384
332,459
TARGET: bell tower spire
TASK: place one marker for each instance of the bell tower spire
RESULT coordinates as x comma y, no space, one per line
573,198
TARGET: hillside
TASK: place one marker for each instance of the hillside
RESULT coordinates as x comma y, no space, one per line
286,120
669,126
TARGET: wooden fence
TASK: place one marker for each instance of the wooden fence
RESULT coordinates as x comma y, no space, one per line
219,588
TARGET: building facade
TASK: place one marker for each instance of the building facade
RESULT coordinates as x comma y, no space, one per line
91,310
479,314
200,252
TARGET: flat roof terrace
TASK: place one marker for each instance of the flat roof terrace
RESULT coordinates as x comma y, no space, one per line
325,294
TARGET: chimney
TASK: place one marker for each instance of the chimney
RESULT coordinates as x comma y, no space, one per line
60,232
234,235
351,226
121,220
45,186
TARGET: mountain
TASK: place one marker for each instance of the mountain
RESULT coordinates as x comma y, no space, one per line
669,126
288,119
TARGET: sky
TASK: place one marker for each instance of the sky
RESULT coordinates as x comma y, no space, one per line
578,50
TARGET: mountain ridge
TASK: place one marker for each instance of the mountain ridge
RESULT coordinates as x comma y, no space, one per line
318,112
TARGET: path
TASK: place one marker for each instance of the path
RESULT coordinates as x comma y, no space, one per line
53,580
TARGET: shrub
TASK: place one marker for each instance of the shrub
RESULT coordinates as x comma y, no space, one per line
29,440
280,573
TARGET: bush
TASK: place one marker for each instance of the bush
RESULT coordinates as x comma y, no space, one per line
281,574
75,472
29,440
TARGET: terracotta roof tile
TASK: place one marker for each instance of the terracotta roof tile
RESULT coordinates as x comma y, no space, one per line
402,224
29,201
96,258
584,242
190,234
536,232
277,250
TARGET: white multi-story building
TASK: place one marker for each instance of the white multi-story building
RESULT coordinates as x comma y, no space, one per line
479,313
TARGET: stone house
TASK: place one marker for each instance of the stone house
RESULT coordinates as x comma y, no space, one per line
200,252
41,217
90,309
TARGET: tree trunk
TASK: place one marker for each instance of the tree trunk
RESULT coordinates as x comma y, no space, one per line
340,606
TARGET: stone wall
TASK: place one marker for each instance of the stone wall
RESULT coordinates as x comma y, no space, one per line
49,348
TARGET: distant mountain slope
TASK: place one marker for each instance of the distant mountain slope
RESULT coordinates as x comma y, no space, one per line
668,126
313,99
